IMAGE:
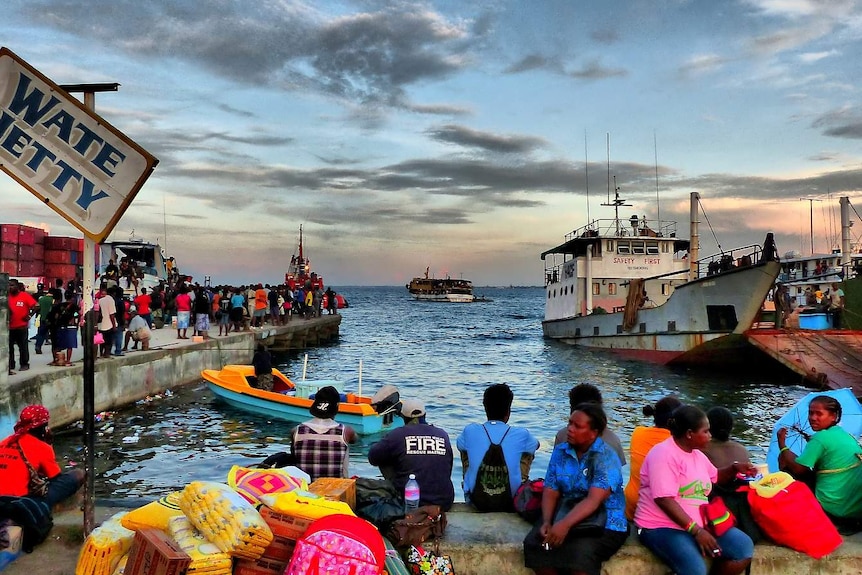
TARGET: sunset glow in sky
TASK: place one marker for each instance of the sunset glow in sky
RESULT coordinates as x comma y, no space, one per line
454,135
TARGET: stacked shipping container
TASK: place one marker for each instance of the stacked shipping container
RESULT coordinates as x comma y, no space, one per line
30,252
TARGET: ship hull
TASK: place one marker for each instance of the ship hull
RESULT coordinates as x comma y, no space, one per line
700,324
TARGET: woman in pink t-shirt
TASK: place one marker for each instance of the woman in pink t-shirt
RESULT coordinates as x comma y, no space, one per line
676,478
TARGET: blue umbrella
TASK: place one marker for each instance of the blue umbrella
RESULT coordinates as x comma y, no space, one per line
796,420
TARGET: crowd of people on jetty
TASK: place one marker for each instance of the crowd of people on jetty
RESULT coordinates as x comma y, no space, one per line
123,319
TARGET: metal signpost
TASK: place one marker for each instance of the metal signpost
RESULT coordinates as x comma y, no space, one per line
81,167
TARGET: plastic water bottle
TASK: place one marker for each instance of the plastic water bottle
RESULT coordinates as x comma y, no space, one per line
411,494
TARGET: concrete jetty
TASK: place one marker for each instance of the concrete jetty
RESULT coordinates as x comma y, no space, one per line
119,381
479,543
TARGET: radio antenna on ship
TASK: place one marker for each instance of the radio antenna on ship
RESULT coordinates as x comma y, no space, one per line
617,202
587,178
657,202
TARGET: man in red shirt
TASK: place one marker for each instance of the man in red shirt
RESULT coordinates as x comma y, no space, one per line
30,445
21,309
142,302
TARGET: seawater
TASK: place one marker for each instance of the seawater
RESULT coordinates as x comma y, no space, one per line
443,354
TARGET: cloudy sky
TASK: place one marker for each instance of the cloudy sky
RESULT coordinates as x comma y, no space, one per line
455,134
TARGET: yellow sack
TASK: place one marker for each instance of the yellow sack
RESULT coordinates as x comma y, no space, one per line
104,547
772,483
155,514
253,483
205,556
225,518
305,505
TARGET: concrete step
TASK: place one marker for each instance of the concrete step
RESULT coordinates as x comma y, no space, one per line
492,544
479,543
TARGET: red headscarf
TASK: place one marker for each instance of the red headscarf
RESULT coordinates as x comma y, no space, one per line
32,416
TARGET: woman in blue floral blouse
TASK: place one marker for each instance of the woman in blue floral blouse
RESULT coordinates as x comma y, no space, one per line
584,477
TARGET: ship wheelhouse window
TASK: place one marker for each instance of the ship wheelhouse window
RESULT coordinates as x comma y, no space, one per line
612,289
597,288
610,246
652,248
665,247
624,247
638,248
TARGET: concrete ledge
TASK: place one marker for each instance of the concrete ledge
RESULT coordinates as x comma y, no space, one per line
492,544
479,543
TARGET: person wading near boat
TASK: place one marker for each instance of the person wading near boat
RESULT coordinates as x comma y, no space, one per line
22,306
517,443
320,445
421,449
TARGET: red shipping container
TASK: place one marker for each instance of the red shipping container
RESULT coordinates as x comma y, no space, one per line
38,252
9,233
25,253
27,236
29,269
79,244
9,267
64,272
39,237
61,243
8,251
58,257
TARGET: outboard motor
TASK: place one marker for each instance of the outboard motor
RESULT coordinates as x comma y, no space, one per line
387,402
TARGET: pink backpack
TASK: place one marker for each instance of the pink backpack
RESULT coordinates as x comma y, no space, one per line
339,545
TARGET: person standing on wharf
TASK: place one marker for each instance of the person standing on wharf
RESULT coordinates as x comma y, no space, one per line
421,449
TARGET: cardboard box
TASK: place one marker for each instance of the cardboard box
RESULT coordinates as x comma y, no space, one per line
335,489
262,566
281,548
153,552
284,525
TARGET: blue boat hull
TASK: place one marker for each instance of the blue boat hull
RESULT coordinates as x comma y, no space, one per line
363,425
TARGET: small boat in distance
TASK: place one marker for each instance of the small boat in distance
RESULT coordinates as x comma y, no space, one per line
290,401
449,290
299,274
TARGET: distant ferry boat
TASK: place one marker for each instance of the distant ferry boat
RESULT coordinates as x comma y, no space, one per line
447,290
634,287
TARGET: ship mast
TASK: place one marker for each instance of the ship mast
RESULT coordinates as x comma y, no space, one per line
301,260
617,202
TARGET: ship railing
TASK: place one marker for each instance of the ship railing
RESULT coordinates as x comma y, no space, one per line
633,227
728,260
